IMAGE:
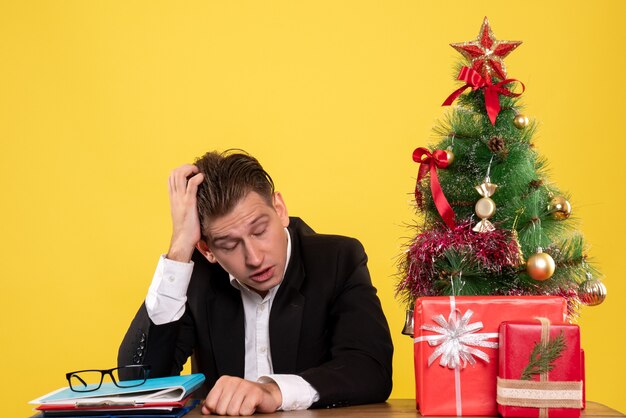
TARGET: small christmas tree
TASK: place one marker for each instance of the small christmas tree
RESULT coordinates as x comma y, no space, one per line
493,224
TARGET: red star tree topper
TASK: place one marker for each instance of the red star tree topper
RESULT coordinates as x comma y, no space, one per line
486,53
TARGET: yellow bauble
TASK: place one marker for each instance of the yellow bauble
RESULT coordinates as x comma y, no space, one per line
450,155
540,266
560,208
485,208
520,121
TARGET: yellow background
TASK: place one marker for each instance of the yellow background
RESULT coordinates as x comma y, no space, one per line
100,99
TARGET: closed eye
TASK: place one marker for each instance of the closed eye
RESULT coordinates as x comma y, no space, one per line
228,246
259,233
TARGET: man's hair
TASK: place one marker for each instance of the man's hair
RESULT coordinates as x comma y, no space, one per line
228,177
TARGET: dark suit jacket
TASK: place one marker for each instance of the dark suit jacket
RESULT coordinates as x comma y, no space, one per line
326,324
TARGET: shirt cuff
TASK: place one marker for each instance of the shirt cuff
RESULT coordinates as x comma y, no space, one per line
296,392
167,294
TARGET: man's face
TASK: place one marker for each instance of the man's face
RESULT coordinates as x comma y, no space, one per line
250,242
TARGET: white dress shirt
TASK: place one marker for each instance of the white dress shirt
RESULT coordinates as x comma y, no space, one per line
165,303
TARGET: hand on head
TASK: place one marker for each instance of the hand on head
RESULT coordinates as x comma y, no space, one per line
183,188
237,396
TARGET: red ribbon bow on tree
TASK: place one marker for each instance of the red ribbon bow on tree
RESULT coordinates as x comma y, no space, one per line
429,162
476,81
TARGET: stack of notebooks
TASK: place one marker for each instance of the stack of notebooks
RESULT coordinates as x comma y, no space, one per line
163,397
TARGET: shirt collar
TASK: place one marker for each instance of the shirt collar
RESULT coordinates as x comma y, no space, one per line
238,285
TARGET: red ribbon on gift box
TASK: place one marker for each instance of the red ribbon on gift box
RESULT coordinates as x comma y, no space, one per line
429,162
491,91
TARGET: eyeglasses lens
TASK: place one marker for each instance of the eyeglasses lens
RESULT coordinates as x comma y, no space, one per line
139,376
85,381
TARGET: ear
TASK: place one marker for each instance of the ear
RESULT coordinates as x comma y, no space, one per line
203,247
281,209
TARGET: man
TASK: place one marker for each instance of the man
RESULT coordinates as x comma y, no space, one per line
274,315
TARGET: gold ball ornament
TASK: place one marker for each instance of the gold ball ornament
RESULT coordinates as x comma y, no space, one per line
520,121
592,292
540,266
560,208
485,208
450,155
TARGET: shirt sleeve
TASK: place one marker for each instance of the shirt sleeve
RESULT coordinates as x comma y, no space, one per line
297,393
167,294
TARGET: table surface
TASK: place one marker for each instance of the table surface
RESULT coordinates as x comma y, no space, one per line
395,408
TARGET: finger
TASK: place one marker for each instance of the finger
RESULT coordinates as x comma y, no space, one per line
187,169
170,185
193,183
249,405
235,404
205,410
224,400
180,175
210,403
219,397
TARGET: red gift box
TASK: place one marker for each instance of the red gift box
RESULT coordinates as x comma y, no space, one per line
557,393
456,356
582,365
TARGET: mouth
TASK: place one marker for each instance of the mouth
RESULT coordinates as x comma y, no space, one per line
263,275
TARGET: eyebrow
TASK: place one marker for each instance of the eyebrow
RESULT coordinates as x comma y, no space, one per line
255,221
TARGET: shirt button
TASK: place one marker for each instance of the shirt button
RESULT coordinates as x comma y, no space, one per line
262,308
263,349
171,279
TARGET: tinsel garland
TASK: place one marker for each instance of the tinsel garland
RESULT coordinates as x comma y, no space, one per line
492,252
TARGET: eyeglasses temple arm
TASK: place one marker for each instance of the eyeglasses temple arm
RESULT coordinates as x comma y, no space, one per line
81,380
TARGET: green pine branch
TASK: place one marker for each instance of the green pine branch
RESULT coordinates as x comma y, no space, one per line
542,357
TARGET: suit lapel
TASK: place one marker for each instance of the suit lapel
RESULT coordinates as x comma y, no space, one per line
286,315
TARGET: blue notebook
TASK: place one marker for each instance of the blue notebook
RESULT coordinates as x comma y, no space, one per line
160,389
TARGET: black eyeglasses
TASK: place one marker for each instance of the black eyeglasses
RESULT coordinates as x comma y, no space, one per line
90,380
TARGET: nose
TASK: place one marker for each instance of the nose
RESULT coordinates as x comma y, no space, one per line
253,254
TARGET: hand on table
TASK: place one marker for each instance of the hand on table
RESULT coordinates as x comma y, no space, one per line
237,396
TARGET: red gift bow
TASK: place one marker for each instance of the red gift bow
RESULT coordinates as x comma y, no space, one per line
474,80
430,162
